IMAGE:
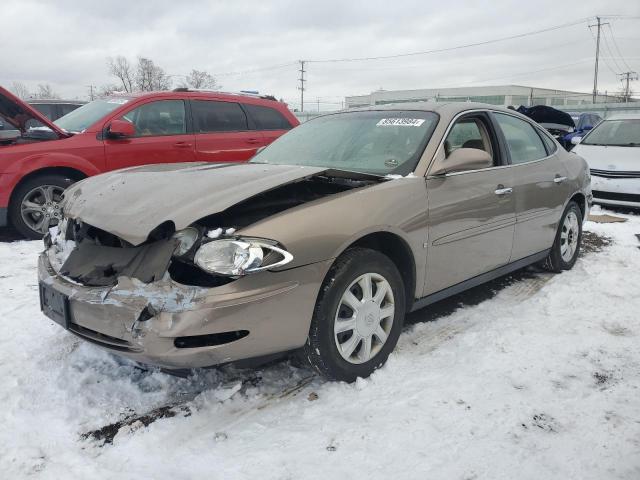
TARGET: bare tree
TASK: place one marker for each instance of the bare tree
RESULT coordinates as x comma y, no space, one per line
46,91
108,90
201,79
150,77
20,89
144,76
120,68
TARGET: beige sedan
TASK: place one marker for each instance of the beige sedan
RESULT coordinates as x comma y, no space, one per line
320,244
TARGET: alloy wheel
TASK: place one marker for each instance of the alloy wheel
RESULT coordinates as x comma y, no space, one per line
364,318
40,207
569,236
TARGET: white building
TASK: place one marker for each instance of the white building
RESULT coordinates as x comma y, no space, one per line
494,95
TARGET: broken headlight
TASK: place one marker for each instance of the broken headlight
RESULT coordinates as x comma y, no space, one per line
186,238
240,257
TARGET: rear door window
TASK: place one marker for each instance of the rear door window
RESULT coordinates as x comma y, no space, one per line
523,142
267,118
212,116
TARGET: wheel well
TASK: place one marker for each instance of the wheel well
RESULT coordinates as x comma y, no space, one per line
399,252
71,172
581,201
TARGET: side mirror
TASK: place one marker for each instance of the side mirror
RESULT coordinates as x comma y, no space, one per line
462,159
121,129
576,140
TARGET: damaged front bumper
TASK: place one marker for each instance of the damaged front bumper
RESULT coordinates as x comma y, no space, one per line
171,325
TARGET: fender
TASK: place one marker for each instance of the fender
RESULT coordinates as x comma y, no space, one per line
32,163
398,232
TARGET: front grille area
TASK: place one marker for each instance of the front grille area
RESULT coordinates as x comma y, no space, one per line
101,339
622,197
614,173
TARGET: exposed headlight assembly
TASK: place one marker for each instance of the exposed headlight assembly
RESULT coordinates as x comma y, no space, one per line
240,256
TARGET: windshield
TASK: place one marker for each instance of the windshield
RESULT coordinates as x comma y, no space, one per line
621,133
85,116
377,142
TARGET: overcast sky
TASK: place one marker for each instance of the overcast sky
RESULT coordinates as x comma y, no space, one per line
65,43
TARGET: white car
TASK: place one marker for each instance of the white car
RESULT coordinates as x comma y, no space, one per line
612,150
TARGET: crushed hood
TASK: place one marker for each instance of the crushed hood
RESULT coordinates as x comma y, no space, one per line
130,203
18,113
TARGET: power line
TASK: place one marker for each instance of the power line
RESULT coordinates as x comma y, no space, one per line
615,44
606,62
520,74
458,47
611,56
261,69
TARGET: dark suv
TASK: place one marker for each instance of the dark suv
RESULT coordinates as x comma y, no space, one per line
39,159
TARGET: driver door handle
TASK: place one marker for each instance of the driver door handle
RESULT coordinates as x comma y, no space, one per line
559,179
501,190
182,145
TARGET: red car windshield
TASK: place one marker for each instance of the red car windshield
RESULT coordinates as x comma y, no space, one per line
85,116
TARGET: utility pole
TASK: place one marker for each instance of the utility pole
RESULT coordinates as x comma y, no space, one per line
91,87
301,87
318,100
595,73
627,77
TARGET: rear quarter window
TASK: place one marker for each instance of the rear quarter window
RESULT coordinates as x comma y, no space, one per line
266,118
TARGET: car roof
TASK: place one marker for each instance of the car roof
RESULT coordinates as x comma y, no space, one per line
624,116
183,92
444,109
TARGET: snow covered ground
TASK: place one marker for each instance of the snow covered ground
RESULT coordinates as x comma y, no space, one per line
532,377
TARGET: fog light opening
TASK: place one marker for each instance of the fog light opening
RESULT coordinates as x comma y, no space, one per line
211,340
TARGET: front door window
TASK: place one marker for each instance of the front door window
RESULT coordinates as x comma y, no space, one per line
164,117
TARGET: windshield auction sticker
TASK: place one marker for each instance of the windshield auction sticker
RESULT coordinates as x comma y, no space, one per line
400,122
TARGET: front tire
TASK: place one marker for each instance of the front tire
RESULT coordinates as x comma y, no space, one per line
36,204
566,247
358,317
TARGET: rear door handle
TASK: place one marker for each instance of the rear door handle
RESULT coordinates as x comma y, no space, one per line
182,145
253,140
501,190
559,179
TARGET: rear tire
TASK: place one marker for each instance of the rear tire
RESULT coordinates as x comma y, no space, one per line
566,247
35,205
345,343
